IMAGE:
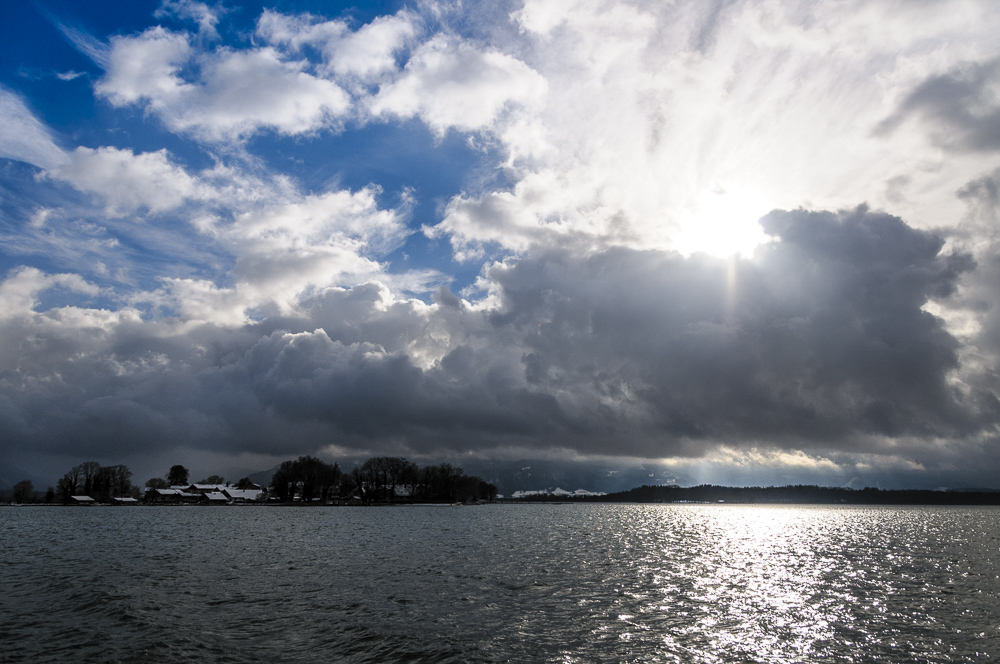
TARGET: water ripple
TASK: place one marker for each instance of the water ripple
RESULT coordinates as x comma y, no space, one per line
569,583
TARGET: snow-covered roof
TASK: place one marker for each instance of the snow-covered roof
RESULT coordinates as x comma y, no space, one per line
243,494
579,492
179,493
83,499
126,500
215,495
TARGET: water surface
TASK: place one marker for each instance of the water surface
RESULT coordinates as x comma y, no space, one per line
503,583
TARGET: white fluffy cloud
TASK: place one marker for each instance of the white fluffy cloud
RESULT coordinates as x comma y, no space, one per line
453,85
127,181
365,54
19,291
235,93
224,94
289,250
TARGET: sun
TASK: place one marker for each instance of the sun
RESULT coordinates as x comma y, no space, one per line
722,221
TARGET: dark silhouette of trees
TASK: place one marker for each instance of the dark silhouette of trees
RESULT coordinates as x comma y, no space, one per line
487,491
177,476
157,483
329,480
244,484
357,484
374,479
111,482
102,483
284,482
385,479
307,477
213,479
24,491
440,483
68,484
88,473
391,479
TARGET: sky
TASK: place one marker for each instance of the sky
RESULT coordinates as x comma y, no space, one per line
753,241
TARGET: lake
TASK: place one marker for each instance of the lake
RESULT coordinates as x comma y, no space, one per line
500,583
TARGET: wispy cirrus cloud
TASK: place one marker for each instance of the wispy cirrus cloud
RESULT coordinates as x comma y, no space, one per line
25,138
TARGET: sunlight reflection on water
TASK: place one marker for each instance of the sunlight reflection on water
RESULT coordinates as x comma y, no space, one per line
532,583
783,584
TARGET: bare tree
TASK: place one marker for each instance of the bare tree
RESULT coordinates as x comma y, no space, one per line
24,491
68,484
157,483
88,472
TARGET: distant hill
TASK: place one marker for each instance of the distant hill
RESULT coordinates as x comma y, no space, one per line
799,494
263,478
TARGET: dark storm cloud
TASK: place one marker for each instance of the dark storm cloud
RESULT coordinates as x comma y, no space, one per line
819,340
980,293
960,108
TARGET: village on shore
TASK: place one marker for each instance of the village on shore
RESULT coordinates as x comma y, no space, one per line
303,481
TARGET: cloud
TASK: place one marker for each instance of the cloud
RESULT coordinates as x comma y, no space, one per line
82,40
367,54
127,181
199,12
817,346
666,206
276,244
678,125
235,94
289,250
453,85
960,108
224,94
19,291
24,137
821,337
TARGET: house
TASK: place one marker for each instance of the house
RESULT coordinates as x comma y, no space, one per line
82,500
243,495
214,498
204,488
124,500
171,495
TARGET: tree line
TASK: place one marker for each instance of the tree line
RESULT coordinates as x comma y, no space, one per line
379,480
102,483
376,481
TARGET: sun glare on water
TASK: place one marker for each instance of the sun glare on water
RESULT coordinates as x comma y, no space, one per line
723,221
